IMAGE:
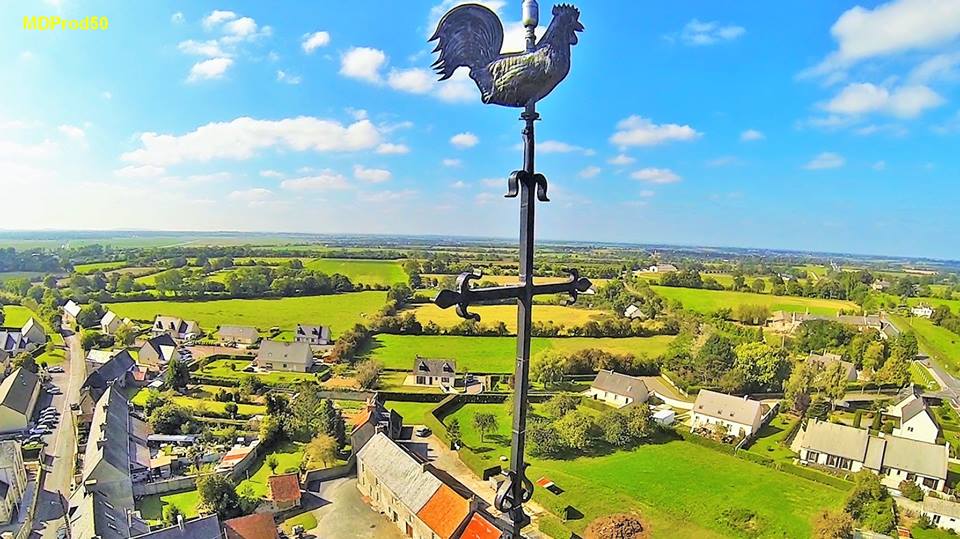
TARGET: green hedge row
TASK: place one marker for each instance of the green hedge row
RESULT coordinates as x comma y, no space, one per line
551,526
706,442
814,475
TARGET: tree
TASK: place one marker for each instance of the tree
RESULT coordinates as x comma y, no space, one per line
832,525
400,293
217,493
89,339
911,490
576,429
544,439
616,428
798,386
172,515
453,431
90,315
25,361
640,422
715,358
272,463
368,373
321,452
758,286
834,382
561,404
232,409
547,368
762,367
170,418
178,374
332,422
484,422
873,357
125,335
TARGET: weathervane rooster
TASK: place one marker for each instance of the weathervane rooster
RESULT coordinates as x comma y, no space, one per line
471,36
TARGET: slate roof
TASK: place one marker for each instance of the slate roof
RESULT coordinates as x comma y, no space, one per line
941,507
93,514
399,471
176,325
116,368
107,456
434,367
207,527
16,390
285,352
239,332
313,332
444,511
163,345
826,360
255,526
727,407
621,384
12,340
915,456
836,439
912,408
285,488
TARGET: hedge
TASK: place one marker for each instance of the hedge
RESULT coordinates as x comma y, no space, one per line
478,464
814,475
706,442
551,526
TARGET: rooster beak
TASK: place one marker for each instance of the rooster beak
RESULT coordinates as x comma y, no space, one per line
578,27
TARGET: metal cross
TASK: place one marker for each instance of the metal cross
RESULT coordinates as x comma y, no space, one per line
474,25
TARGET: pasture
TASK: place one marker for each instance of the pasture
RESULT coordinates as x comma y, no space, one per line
496,354
708,301
233,368
17,316
339,311
369,272
492,314
953,304
939,343
502,280
11,275
93,267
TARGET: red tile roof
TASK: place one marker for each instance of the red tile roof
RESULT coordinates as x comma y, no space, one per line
480,528
255,526
444,511
285,488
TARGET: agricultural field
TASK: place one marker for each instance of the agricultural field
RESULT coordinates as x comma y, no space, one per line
93,267
939,343
339,311
502,280
370,272
11,275
496,354
954,304
17,316
264,260
707,301
492,314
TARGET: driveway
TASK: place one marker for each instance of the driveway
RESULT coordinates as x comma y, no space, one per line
344,515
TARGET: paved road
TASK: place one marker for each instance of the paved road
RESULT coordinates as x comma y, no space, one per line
61,445
344,515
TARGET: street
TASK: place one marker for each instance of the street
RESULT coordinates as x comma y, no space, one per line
61,444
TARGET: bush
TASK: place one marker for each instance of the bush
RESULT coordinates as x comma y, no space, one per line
911,490
857,418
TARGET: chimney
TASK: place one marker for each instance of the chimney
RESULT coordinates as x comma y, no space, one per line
180,523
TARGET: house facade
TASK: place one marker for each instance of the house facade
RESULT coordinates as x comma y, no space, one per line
373,419
157,351
110,323
238,335
13,479
915,420
895,459
740,416
434,372
314,335
942,513
25,339
177,328
71,310
922,310
617,390
18,398
285,356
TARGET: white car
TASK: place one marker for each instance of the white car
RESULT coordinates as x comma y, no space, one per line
55,369
54,390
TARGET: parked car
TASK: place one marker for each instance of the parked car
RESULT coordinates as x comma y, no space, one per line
40,431
48,409
54,390
423,432
75,406
55,369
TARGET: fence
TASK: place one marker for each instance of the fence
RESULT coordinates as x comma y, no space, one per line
327,474
167,485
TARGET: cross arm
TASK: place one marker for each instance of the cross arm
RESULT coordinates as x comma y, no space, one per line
465,296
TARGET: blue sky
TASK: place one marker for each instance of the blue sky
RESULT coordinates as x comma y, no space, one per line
832,126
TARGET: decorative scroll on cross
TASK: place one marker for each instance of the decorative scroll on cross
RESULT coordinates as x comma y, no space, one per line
471,36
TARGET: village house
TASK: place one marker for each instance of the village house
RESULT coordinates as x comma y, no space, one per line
158,351
942,513
244,336
409,493
110,323
177,328
116,371
617,389
207,527
888,331
827,360
26,339
740,416
634,312
434,372
255,526
922,310
914,419
71,311
662,268
896,459
13,479
373,419
284,491
284,356
18,397
238,457
312,334
880,285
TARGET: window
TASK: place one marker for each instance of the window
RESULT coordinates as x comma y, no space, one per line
930,482
813,456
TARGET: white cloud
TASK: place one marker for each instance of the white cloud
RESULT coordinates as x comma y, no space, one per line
314,41
243,137
218,17
283,76
363,63
41,150
464,140
270,174
621,160
556,146
824,161
210,48
865,98
639,131
177,18
244,29
211,69
699,33
106,95
894,27
590,172
656,175
752,134
139,172
357,114
646,193
414,80
72,132
371,175
254,196
325,180
880,165
452,162
389,148
459,184
939,67
386,196
493,182
25,56
457,89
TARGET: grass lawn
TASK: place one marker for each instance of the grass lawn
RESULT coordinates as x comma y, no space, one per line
939,343
372,272
492,314
708,301
94,267
307,520
193,403
932,533
513,279
151,507
954,304
17,316
496,354
221,367
771,435
339,311
412,412
920,375
289,455
56,357
393,381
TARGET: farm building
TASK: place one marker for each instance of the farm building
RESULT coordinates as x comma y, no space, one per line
110,323
617,389
285,491
29,337
740,416
207,527
942,513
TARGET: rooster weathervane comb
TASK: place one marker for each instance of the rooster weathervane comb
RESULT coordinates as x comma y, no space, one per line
471,35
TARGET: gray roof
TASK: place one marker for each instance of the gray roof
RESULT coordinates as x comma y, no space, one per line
890,330
207,527
835,439
239,332
290,352
728,407
94,514
912,408
941,507
914,456
313,331
17,389
434,367
11,340
107,457
176,325
112,370
826,360
399,471
621,384
71,308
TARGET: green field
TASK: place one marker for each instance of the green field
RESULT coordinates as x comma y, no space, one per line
10,275
339,311
195,404
17,316
371,272
492,314
151,507
920,375
412,412
954,304
939,343
149,279
289,455
94,267
222,367
496,354
708,301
